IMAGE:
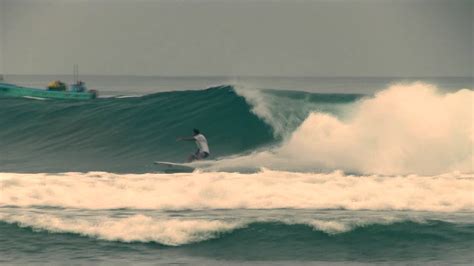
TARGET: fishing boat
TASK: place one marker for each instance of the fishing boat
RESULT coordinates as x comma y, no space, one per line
55,90
12,90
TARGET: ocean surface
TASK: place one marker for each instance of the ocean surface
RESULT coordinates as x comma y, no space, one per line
302,171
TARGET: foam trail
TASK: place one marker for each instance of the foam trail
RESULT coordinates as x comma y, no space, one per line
220,190
408,128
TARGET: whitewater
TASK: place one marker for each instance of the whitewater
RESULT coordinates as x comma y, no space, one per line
265,189
335,178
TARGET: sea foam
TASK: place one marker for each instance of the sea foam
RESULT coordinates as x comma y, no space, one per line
407,128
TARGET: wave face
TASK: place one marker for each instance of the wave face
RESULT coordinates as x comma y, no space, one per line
123,134
126,134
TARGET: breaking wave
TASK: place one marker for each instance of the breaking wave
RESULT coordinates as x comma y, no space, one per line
408,128
404,129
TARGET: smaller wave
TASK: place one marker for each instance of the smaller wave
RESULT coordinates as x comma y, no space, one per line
137,228
128,96
178,231
35,98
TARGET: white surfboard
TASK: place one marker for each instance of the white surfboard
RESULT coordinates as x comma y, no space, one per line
174,167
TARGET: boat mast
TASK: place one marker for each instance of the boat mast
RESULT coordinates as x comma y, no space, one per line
75,73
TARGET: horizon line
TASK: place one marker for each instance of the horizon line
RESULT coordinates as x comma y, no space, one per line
236,76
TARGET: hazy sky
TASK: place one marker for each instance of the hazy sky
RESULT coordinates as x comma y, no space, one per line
235,38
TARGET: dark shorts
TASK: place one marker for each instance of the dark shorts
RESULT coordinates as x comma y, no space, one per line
199,155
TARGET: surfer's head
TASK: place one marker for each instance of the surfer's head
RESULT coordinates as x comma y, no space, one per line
196,131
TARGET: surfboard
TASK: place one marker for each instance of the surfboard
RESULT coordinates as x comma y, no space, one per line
170,167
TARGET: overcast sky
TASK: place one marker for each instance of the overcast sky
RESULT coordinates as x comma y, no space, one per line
238,38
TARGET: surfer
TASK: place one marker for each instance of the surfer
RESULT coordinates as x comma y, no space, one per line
201,143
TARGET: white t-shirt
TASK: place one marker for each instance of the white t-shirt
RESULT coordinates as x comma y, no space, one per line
201,143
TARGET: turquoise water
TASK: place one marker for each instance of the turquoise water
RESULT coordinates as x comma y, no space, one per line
379,172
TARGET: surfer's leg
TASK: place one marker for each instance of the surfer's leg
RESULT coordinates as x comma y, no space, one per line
201,155
191,158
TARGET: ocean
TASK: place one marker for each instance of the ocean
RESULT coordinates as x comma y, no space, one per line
303,171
